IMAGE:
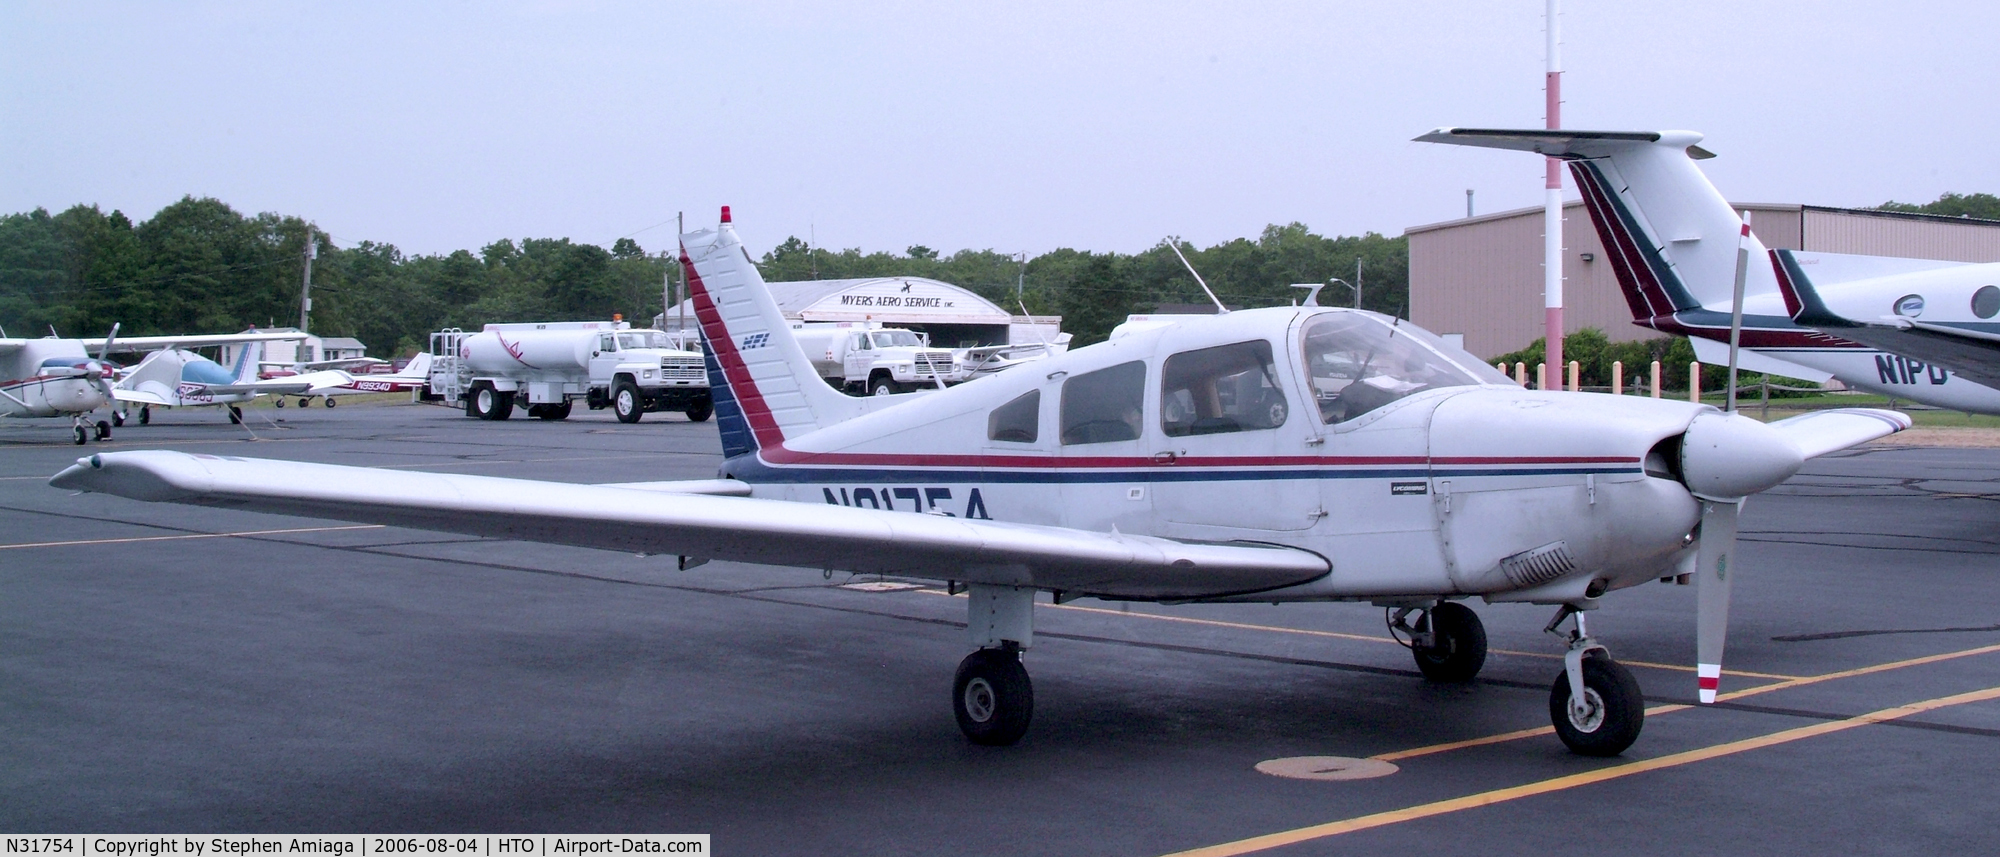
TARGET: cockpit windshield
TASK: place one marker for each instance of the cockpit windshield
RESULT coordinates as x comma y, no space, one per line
1358,363
895,339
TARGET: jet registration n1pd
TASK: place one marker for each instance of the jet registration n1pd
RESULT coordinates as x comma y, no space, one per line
1283,454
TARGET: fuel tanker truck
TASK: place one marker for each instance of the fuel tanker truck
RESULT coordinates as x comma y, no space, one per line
545,367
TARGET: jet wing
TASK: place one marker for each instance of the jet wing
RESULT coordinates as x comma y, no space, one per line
128,344
744,529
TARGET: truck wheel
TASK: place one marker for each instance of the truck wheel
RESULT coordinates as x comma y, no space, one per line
881,387
503,404
479,401
699,409
626,403
552,412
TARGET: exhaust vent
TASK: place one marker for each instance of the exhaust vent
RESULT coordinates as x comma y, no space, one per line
1538,566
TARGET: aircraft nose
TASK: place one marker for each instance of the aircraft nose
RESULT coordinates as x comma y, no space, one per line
1729,456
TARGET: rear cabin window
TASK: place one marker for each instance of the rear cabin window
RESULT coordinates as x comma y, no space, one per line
1105,405
1228,388
1015,421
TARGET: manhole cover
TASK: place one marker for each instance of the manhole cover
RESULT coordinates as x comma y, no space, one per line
1326,768
882,586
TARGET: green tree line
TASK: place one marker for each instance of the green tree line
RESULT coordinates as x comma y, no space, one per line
199,266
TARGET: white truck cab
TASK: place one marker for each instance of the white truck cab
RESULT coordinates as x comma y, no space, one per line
861,357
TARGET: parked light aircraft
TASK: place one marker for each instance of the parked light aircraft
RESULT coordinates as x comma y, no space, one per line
413,376
53,377
178,378
1282,454
1909,328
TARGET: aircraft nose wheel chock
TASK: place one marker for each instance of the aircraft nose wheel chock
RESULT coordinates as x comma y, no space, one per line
1595,704
993,697
1447,639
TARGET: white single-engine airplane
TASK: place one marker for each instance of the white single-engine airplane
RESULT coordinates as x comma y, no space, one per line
178,378
413,376
54,377
1283,454
1915,329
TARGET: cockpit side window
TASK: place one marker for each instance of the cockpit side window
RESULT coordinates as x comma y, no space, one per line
1228,388
1105,405
1018,420
1358,364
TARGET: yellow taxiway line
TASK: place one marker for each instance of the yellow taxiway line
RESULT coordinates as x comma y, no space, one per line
1571,781
188,536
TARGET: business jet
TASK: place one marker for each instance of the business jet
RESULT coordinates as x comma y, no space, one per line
1289,454
52,377
1914,329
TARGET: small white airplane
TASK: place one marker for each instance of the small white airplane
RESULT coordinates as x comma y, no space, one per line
1284,454
54,377
1914,329
179,378
413,376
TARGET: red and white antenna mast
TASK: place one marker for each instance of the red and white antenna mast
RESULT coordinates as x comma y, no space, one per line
1552,226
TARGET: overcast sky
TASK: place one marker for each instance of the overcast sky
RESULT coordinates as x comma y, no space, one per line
1016,126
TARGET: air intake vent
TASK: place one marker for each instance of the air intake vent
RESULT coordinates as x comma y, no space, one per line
1539,566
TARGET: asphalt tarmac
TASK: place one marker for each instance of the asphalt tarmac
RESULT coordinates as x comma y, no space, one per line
180,669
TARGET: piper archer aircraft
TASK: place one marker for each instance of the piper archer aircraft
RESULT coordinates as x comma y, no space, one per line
179,378
1914,329
55,377
1284,454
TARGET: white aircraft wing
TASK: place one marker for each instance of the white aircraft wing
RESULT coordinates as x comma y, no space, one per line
1821,432
141,397
706,527
310,382
128,344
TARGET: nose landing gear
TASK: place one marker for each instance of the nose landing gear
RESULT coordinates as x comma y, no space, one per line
1596,704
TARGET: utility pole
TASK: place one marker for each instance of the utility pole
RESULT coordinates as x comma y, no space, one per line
666,287
1552,203
1357,282
306,287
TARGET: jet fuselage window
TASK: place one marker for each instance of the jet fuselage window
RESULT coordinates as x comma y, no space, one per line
1228,388
1105,405
1358,364
1016,421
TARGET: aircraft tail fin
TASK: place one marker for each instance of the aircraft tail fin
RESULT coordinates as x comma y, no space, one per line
764,388
249,357
418,369
1669,235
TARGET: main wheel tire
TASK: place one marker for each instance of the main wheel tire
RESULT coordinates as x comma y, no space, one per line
625,402
235,415
992,697
281,402
82,437
881,387
118,418
700,409
145,415
103,430
329,401
1614,709
1458,648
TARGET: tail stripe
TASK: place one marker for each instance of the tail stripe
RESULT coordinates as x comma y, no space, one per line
1641,301
729,377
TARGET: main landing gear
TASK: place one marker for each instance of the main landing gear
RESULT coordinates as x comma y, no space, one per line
1447,639
1596,703
991,695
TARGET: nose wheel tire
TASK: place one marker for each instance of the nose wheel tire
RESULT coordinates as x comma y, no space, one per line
82,436
1611,714
103,430
992,697
1458,643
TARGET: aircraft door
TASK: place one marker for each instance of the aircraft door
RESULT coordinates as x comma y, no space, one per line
1228,449
1104,477
860,357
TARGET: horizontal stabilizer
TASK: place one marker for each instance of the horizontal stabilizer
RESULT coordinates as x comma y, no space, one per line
1557,143
1821,432
807,535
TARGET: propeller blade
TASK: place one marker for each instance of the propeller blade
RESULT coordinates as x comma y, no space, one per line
104,353
1715,557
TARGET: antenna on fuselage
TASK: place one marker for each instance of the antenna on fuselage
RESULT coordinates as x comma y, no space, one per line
1174,245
